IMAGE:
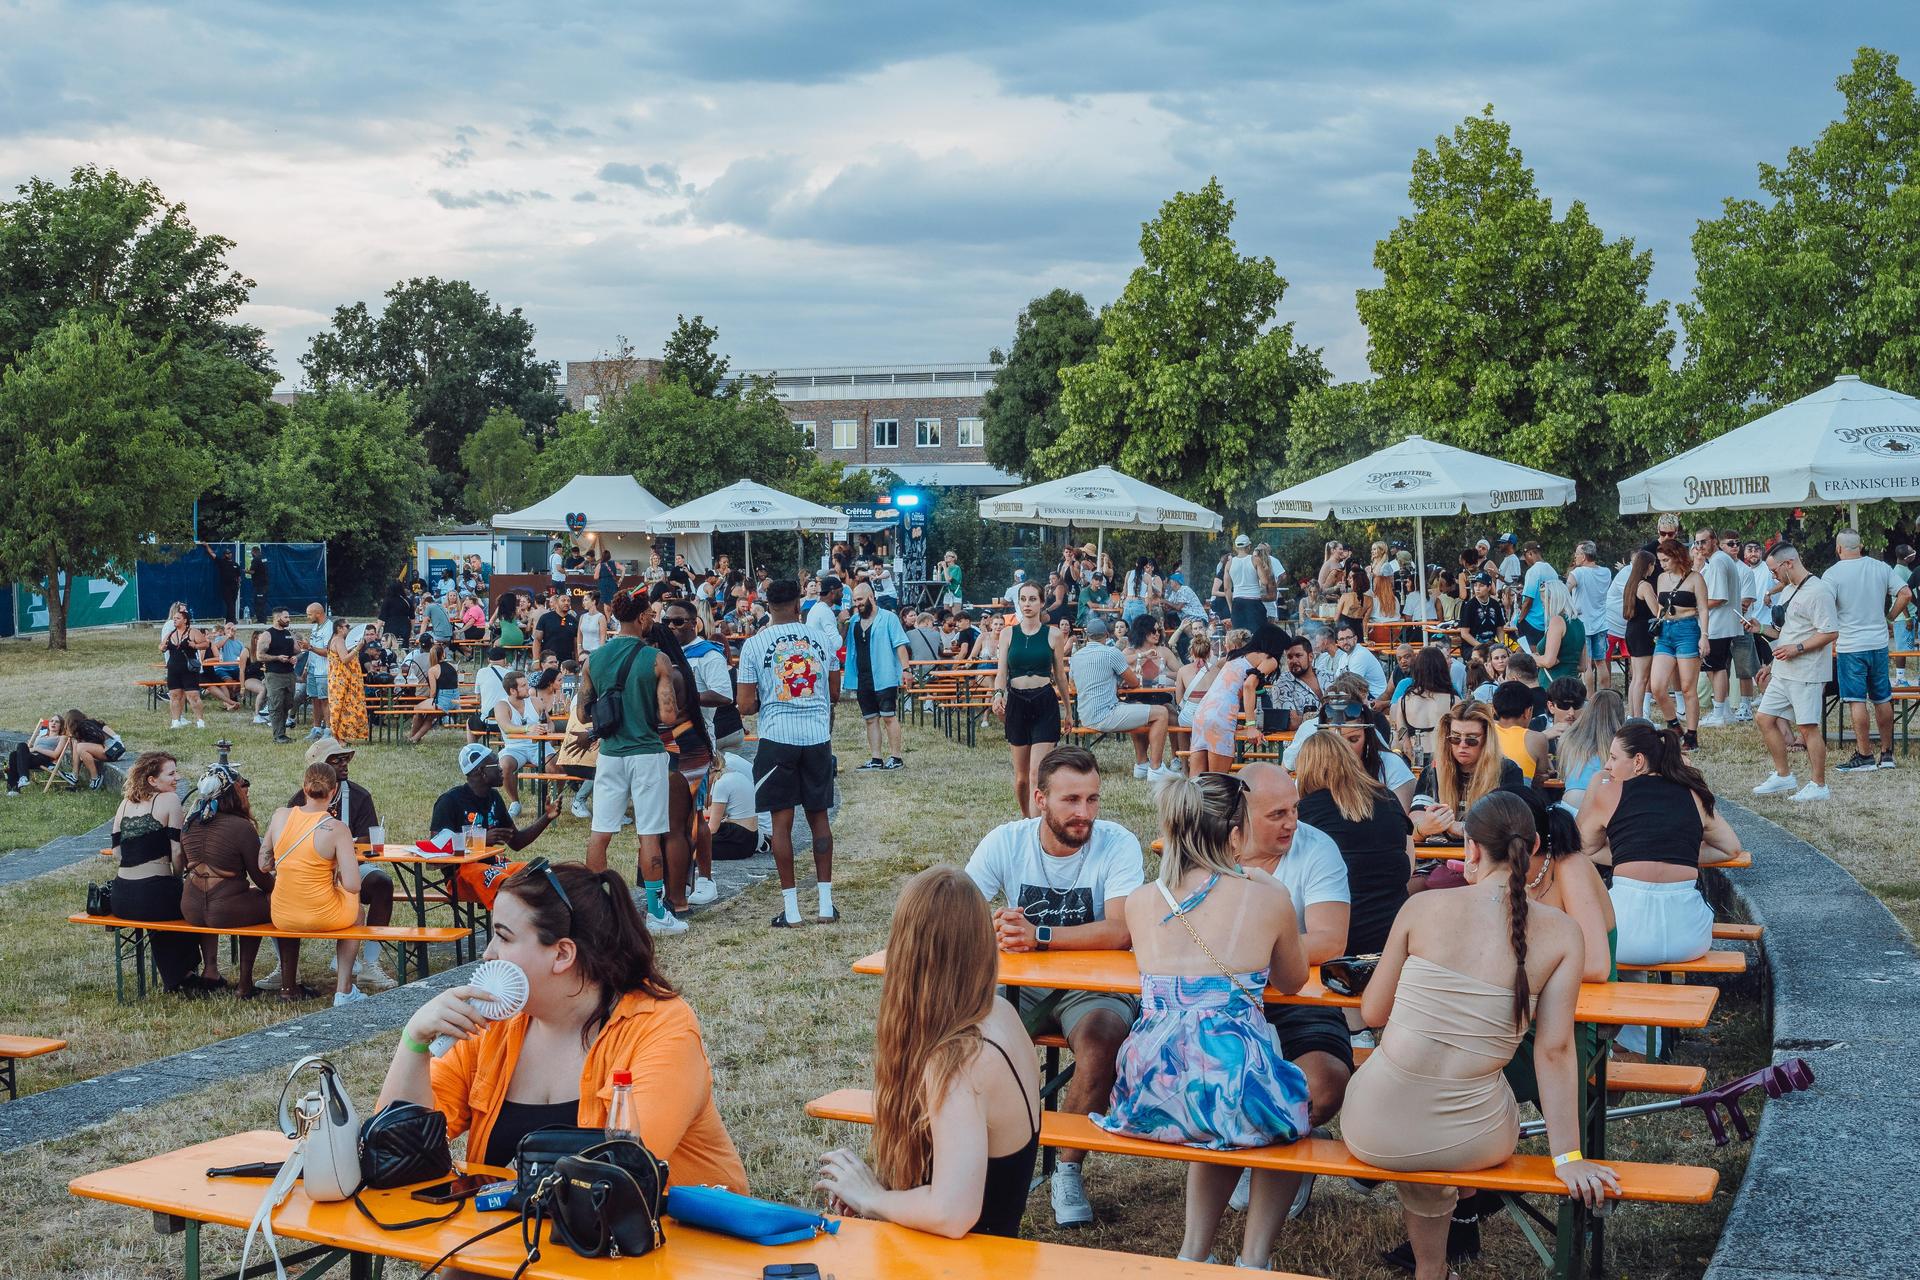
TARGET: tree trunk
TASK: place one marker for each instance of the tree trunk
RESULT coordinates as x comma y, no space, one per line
57,609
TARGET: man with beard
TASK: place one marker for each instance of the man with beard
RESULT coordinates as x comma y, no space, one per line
1064,876
1301,690
876,669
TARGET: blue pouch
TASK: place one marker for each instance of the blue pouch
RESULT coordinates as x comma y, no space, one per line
761,1221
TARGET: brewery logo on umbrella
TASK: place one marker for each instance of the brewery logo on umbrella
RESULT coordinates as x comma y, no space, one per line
1893,441
1398,482
750,506
1090,492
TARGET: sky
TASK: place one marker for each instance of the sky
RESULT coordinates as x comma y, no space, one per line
848,182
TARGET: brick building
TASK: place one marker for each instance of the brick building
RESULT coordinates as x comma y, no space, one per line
588,382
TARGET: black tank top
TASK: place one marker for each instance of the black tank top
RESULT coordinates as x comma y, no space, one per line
1008,1176
279,650
518,1119
141,839
1656,821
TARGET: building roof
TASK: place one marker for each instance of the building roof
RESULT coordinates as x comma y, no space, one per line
954,378
946,475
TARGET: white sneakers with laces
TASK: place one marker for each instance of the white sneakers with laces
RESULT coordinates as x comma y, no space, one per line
1071,1208
704,891
1777,784
1140,771
1812,791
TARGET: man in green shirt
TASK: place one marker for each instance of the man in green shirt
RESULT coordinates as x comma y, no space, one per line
633,762
1094,593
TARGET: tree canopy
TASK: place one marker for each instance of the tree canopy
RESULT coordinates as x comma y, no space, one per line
1021,411
98,459
689,356
497,459
1193,384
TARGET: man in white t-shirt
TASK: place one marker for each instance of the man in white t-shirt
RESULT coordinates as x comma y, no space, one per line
1351,655
823,616
1588,581
1862,586
1802,665
1726,588
556,567
1063,877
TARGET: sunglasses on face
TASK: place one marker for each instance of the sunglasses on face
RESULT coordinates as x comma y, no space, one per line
1567,706
1465,740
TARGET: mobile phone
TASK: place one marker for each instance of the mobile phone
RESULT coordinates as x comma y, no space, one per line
790,1271
460,1188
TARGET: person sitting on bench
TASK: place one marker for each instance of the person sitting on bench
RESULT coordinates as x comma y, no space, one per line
318,885
146,834
479,796
943,1104
597,1003
222,849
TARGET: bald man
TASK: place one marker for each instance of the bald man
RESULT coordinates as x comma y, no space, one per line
1307,862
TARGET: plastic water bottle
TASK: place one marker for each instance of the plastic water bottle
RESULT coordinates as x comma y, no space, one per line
620,1109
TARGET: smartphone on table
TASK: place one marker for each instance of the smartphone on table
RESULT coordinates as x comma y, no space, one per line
790,1271
461,1188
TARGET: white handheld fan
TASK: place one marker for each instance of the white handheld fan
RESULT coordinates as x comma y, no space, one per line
506,986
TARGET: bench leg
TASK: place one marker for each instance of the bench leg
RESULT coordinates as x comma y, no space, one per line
7,1079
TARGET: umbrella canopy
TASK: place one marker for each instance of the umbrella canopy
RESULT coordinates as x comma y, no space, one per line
611,504
1418,478
1099,499
1849,443
747,507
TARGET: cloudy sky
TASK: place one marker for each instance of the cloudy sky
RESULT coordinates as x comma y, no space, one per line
840,182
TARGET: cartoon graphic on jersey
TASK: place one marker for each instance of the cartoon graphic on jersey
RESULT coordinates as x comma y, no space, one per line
799,674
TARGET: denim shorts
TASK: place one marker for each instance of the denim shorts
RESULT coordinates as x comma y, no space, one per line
316,686
1678,638
1597,645
1863,677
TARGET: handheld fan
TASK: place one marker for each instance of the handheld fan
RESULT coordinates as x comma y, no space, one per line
506,986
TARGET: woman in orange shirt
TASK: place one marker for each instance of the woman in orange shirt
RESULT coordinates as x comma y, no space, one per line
596,1004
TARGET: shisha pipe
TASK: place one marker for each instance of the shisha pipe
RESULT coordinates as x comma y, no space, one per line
1782,1078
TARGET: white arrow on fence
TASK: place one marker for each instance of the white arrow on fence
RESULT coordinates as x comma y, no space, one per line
106,587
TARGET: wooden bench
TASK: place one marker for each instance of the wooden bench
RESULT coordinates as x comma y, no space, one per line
13,1047
1738,932
409,942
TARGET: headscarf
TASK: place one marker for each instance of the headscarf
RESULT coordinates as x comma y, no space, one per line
214,783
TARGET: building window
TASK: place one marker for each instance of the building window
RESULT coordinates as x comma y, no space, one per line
846,434
972,434
806,433
886,433
926,432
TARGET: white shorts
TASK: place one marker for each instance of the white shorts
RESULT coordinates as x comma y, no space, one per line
641,779
1660,923
527,753
1124,718
1800,701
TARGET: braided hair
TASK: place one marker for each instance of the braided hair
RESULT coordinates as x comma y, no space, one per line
1502,826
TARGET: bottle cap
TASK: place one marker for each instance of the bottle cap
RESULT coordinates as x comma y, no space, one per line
622,1078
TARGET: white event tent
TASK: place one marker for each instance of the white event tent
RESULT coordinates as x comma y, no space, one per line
1415,479
748,507
1099,499
618,509
1848,443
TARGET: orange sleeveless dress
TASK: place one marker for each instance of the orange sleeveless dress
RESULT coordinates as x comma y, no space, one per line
306,894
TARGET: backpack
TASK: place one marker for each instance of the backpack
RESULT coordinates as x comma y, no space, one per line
609,711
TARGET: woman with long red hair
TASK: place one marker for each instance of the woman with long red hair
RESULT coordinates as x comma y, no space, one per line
956,1105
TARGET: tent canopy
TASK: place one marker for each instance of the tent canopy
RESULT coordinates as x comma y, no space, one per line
1850,442
612,504
1099,499
747,507
1415,479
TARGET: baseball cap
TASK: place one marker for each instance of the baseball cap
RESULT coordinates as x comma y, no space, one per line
1177,576
473,755
325,748
1507,538
1096,627
1243,541
1019,575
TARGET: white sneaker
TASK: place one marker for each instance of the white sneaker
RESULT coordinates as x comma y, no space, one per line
1161,775
704,891
1071,1208
1715,719
370,974
1777,784
1745,714
1812,791
665,924
271,982
1140,771
199,724
181,723
1242,1192
1363,1040
580,809
352,995
260,719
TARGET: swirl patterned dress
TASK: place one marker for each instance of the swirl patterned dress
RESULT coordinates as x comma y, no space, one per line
1202,1067
1216,719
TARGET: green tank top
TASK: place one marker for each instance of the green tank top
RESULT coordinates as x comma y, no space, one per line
1029,655
511,634
1572,645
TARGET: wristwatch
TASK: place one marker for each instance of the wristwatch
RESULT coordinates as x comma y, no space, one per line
1042,937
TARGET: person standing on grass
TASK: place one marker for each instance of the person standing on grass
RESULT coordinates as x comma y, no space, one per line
1726,589
319,637
1862,587
876,670
275,648
181,644
1805,622
632,769
823,615
783,675
1064,876
1029,688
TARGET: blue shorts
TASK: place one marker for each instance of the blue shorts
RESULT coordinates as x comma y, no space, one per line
1678,638
1863,677
447,699
316,686
1597,645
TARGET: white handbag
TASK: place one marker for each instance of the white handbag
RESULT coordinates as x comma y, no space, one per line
326,1154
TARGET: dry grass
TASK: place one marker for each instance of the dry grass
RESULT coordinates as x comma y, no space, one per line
784,1021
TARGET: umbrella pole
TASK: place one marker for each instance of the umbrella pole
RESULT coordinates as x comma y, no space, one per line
1100,549
1420,567
1853,516
746,549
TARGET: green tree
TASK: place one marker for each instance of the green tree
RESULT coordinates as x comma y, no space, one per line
1504,330
98,459
689,356
497,458
348,470
1193,384
454,354
1021,411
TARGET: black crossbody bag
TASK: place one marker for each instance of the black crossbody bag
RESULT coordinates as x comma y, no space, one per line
609,708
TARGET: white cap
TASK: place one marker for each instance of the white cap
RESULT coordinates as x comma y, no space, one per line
473,755
1243,541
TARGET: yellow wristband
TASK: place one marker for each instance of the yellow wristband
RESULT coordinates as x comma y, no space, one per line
1568,1158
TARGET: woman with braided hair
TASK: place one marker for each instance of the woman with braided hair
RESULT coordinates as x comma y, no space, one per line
1463,973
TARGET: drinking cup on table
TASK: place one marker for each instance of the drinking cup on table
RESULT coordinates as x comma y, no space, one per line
377,837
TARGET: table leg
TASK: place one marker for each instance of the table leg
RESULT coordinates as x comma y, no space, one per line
7,1079
190,1259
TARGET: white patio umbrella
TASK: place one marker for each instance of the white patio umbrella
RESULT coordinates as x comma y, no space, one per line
1099,499
1418,478
1844,444
747,507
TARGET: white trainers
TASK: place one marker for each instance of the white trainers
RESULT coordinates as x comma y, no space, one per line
1777,784
1715,719
199,724
665,924
1140,771
1161,775
704,891
1812,791
271,982
260,718
369,974
1242,1192
1745,714
1071,1208
352,995
181,723
580,808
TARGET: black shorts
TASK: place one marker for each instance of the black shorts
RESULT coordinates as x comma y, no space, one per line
1306,1028
731,841
1719,654
1033,715
878,702
1640,637
183,680
790,777
476,725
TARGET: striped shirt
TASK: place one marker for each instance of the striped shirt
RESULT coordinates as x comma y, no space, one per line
788,664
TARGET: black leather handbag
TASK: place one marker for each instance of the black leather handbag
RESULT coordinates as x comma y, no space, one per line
1348,975
401,1144
541,1149
605,1202
100,899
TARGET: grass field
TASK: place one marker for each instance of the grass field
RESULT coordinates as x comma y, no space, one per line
784,1020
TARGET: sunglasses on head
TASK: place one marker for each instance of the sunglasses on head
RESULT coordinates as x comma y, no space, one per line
1346,712
542,867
